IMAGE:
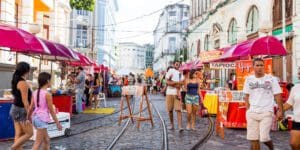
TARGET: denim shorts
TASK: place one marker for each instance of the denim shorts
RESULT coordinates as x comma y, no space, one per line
38,123
17,113
192,99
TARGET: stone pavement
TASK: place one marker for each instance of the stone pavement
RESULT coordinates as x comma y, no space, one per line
97,132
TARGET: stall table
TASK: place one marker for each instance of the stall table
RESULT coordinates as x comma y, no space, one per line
63,103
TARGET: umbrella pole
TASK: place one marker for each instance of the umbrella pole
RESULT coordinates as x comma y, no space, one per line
16,58
40,64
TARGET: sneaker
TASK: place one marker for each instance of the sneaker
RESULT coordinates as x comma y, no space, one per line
93,108
170,128
188,129
180,129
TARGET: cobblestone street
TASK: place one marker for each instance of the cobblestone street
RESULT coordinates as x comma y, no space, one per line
98,131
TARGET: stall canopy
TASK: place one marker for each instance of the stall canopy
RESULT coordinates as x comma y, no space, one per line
21,41
83,60
59,52
268,45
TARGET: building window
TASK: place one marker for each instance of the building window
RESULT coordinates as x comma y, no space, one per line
232,32
206,43
185,14
81,36
252,20
172,42
277,12
172,25
172,13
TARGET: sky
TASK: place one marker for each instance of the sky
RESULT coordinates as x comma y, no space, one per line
140,30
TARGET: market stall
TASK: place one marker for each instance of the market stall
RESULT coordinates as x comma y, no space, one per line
230,108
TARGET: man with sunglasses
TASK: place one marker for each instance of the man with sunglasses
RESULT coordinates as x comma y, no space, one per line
260,91
174,81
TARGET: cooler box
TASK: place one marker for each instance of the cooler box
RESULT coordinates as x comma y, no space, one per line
64,119
7,130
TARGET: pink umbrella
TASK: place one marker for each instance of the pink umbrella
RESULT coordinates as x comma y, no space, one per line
186,66
268,45
197,64
21,41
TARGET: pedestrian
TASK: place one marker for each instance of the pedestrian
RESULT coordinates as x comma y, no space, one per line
183,91
260,91
87,89
79,89
293,102
20,106
192,98
43,107
96,90
173,102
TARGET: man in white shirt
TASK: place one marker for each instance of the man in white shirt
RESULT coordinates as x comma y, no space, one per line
174,81
294,102
260,90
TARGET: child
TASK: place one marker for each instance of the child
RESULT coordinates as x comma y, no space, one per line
42,104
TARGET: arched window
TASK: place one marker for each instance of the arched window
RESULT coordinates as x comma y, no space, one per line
206,42
252,20
232,32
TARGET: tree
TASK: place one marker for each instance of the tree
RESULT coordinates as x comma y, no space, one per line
88,5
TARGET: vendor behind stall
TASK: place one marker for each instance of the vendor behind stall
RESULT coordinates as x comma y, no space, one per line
79,89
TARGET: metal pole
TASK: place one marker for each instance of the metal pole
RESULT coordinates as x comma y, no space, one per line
283,41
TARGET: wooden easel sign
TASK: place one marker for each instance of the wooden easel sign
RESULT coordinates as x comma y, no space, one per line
138,91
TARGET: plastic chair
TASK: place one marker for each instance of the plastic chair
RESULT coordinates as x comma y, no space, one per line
102,97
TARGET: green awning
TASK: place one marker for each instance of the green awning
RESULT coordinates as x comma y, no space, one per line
288,29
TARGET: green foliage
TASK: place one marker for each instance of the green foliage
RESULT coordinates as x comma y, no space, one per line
88,5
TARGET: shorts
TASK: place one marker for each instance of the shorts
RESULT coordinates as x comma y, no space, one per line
96,91
259,126
192,99
17,113
173,103
295,125
38,123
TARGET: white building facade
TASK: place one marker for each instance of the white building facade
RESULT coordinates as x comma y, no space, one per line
218,24
81,33
131,56
169,34
105,39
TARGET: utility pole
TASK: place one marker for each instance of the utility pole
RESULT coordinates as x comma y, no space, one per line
283,41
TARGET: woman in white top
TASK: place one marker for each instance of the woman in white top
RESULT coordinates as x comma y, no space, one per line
294,102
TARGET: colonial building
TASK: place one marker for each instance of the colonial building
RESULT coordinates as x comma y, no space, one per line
217,24
81,33
169,34
131,56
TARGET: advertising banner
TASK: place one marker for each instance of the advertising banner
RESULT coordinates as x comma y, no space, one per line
222,65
